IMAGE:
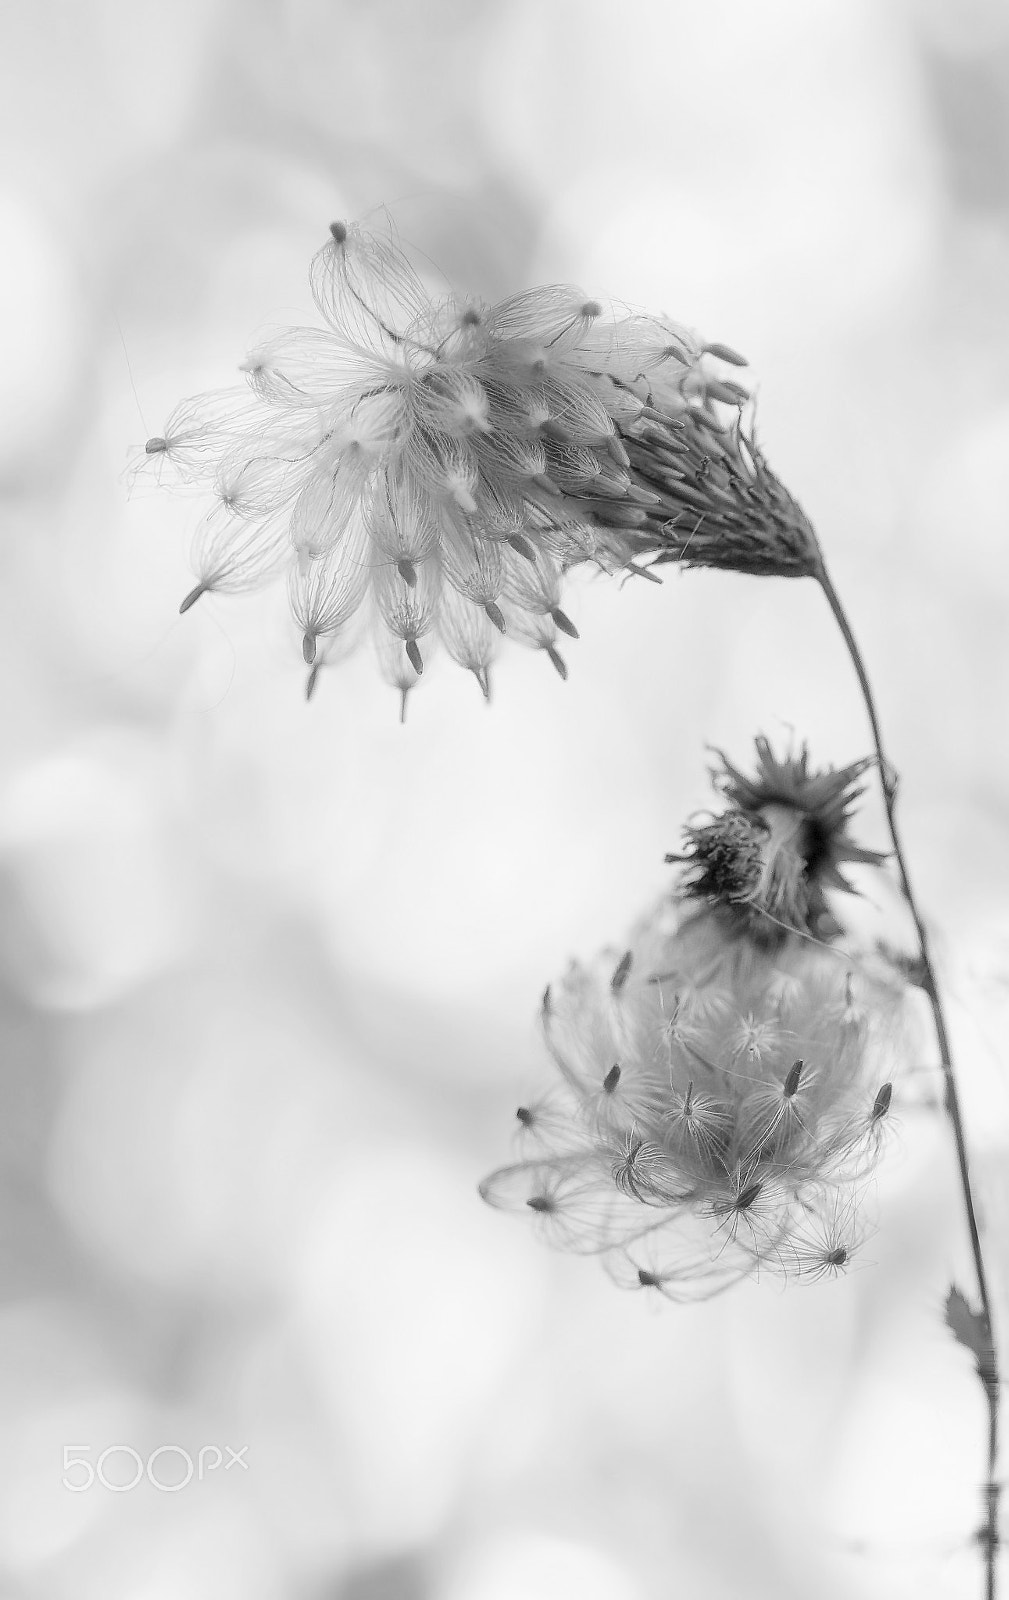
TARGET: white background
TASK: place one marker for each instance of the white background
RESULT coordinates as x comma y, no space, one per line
270,971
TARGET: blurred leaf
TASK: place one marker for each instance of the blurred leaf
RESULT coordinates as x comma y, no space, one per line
971,1329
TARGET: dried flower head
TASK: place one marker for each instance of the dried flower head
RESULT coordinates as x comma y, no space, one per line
766,860
719,1109
439,464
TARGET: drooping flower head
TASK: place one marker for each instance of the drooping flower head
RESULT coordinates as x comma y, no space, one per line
717,1111
437,464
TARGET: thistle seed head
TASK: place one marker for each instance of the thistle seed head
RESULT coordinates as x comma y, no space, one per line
439,465
717,1113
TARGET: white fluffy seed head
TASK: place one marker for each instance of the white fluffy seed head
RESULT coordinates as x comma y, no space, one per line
746,1114
438,428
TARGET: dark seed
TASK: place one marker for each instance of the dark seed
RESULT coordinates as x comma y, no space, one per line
558,661
564,623
792,1081
723,352
881,1104
619,977
747,1197
520,543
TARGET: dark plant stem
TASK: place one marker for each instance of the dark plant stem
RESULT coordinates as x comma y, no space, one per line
988,1370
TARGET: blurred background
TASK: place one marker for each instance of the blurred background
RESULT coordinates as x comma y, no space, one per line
270,970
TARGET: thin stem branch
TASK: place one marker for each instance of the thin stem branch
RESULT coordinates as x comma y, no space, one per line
988,1371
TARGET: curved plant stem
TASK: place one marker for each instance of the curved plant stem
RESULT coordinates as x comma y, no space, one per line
987,1358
